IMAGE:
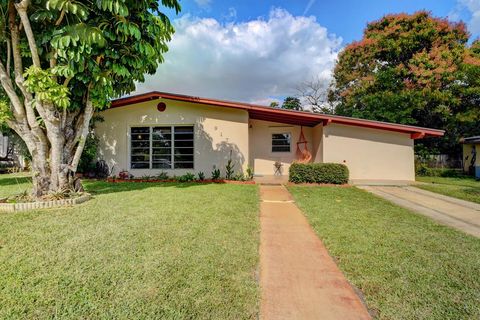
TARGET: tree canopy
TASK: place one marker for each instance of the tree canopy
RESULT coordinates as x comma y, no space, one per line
292,103
60,60
412,69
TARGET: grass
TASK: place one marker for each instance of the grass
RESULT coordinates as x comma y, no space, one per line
143,251
465,188
406,265
12,184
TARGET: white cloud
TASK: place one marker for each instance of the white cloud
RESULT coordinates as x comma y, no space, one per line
473,9
249,61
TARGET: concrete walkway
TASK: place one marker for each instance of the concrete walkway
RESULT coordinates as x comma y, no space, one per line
453,212
298,278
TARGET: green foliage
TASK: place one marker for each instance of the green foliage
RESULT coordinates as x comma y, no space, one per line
46,89
201,176
292,103
424,171
215,174
412,69
229,168
187,177
334,173
100,46
163,176
249,173
5,114
89,155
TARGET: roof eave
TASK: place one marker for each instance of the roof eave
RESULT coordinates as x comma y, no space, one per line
288,116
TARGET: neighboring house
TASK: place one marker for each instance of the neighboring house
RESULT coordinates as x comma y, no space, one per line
156,131
471,158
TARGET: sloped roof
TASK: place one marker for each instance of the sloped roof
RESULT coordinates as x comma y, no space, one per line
302,118
471,140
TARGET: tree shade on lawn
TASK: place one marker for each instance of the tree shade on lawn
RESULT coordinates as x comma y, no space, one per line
406,265
144,251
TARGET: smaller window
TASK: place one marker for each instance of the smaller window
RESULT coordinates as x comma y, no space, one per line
281,142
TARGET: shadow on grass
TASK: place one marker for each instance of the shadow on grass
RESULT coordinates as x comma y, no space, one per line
14,180
103,187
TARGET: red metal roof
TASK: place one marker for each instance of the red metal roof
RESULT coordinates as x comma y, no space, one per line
301,118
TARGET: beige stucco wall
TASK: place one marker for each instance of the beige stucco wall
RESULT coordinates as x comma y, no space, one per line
467,152
370,154
217,131
262,159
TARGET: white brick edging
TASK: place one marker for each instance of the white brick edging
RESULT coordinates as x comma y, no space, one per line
14,207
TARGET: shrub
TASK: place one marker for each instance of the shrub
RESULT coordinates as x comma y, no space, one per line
187,177
215,174
334,173
424,171
162,176
250,173
201,176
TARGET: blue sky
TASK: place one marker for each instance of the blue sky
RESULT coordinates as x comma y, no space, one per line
345,18
261,51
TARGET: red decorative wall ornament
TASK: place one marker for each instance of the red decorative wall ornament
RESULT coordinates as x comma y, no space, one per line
161,106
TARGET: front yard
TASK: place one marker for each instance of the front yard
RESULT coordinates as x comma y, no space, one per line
406,265
190,251
464,188
169,251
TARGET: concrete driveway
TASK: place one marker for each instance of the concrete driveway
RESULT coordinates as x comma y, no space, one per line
459,214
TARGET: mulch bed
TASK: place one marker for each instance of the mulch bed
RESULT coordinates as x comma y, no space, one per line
111,180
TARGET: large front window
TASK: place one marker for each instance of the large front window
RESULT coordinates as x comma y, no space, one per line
281,142
167,147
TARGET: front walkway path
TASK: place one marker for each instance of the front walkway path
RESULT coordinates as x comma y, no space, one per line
298,278
453,212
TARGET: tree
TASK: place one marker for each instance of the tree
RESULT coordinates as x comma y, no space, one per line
60,60
274,104
314,93
412,69
292,103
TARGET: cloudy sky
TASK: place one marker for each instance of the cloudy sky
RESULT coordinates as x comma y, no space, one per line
261,50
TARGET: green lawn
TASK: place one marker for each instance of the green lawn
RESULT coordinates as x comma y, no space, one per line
12,184
465,188
136,251
407,266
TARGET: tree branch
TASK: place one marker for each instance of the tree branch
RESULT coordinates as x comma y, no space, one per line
82,127
22,8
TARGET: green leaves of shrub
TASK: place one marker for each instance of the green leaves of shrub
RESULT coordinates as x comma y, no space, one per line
334,173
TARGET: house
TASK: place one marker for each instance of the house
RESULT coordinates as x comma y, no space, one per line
156,131
471,160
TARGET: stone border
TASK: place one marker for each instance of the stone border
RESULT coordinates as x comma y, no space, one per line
15,207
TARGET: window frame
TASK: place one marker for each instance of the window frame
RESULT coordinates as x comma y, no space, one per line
280,132
172,151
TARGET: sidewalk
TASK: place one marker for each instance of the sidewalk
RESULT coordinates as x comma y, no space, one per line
298,278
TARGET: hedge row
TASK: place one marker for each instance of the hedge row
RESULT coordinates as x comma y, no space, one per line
334,173
424,171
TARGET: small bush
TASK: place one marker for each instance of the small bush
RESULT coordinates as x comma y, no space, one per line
424,171
215,174
334,173
187,177
201,176
250,173
162,176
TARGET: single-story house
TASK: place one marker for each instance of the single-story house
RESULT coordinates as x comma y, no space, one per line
156,131
471,160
